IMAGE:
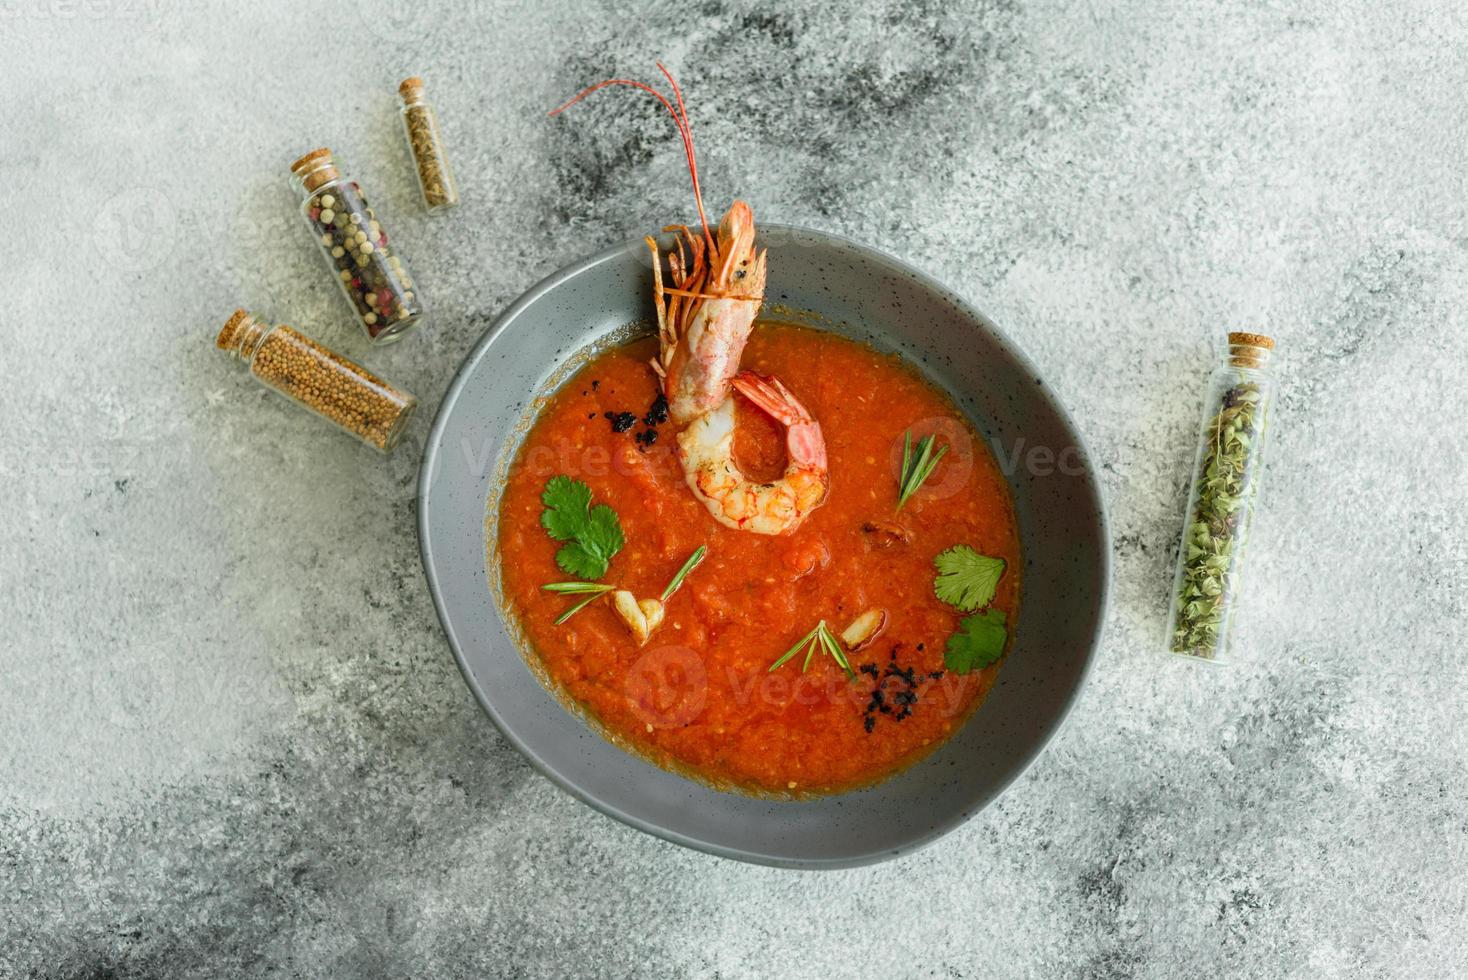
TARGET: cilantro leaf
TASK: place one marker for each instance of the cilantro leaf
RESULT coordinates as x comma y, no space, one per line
592,534
581,561
978,643
603,531
967,579
566,502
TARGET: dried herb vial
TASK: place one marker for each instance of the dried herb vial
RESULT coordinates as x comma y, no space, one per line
341,392
420,122
366,265
1221,502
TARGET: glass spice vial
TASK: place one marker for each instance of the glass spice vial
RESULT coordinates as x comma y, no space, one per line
420,123
1210,560
343,393
368,269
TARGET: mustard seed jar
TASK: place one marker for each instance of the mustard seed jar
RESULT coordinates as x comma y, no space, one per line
420,124
319,380
366,265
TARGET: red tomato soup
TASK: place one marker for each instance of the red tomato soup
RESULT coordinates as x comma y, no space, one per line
699,696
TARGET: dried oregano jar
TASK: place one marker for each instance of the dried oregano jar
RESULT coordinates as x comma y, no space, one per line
1210,560
420,123
368,269
343,393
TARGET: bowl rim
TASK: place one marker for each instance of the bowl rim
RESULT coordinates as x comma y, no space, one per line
940,828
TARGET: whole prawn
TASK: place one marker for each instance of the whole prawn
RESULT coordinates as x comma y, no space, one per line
704,320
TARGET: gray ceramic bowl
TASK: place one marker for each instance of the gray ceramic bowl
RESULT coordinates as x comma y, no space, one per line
865,294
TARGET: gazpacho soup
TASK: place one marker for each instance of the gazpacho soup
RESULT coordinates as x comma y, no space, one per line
763,555
801,591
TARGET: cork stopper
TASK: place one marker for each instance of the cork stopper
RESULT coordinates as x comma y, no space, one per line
240,331
411,89
1249,349
314,169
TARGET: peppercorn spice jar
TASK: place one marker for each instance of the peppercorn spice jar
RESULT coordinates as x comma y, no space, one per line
368,269
1210,561
420,123
343,393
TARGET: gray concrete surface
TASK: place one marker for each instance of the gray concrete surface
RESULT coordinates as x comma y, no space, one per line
232,740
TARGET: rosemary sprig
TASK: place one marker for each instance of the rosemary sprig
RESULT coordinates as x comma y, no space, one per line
688,566
818,639
592,591
595,590
917,467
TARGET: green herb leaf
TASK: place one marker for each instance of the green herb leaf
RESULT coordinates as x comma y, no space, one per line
688,566
967,579
581,605
916,468
592,591
800,644
566,504
978,643
593,534
818,640
605,529
833,647
576,587
578,559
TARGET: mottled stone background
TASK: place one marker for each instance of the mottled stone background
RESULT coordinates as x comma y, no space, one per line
232,739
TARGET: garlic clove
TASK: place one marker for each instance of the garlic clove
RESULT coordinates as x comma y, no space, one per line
864,629
625,603
653,612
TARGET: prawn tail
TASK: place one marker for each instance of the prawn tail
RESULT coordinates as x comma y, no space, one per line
772,397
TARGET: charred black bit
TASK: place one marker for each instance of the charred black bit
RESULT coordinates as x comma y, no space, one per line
657,413
646,437
595,385
591,415
921,648
896,690
621,421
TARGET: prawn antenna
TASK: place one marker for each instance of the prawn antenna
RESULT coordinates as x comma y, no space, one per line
680,119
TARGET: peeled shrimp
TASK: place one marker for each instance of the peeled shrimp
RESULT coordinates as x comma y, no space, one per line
706,449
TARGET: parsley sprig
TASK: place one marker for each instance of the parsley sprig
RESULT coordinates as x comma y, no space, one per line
917,466
592,534
967,581
820,638
978,643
